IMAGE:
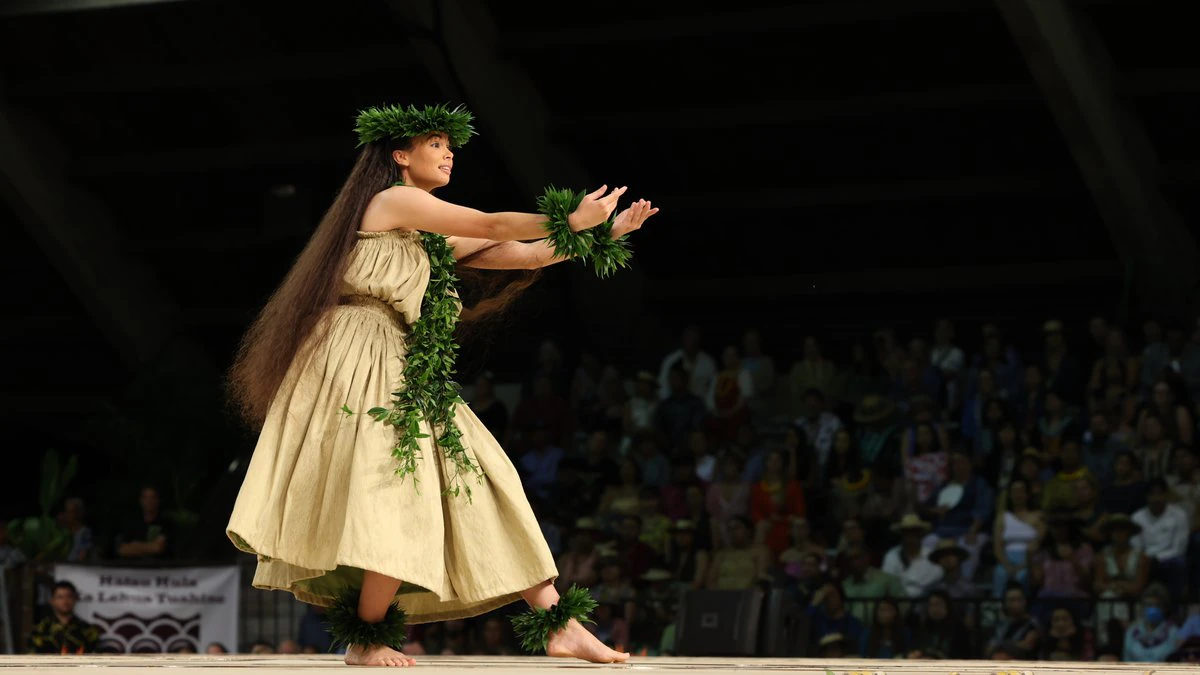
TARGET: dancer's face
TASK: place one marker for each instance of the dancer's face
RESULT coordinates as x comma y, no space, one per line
428,163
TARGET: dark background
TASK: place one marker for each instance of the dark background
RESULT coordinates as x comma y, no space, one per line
822,167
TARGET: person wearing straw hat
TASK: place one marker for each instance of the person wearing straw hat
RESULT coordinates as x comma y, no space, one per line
907,560
950,556
834,646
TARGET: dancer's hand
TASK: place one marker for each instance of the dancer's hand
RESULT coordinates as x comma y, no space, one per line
595,208
632,218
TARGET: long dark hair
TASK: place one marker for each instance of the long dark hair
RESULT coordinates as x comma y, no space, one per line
878,632
294,311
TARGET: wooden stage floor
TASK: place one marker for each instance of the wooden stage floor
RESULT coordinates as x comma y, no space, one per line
453,665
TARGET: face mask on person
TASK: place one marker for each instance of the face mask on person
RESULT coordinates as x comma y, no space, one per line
1154,615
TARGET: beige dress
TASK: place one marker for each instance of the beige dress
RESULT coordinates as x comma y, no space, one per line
321,501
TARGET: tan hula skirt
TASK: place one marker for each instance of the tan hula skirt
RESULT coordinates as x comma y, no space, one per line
321,502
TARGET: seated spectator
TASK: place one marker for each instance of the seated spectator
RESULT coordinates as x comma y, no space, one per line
63,632
939,633
828,614
878,433
1088,513
148,536
215,648
1127,492
610,627
686,558
1018,528
681,411
639,409
697,513
907,560
1121,573
1153,448
1017,634
1062,567
1029,468
803,576
727,497
818,425
1000,466
753,450
1059,493
577,565
743,564
1185,485
698,446
262,647
697,367
961,509
673,495
801,543
1066,640
812,371
853,540
1175,421
72,518
774,502
637,556
1151,638
656,527
729,397
570,494
885,497
950,556
1056,424
288,647
864,583
539,464
544,409
926,465
614,586
1100,448
598,469
888,637
652,461
1164,537
623,498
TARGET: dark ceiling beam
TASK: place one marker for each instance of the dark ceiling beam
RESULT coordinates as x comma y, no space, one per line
124,300
202,159
1111,149
34,7
786,19
893,281
153,77
991,96
857,193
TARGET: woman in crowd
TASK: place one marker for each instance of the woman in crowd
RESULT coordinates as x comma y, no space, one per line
1019,526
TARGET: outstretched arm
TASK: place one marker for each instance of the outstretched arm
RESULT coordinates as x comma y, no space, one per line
408,208
516,255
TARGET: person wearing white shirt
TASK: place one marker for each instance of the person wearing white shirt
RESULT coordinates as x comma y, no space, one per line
1164,537
908,561
700,367
948,358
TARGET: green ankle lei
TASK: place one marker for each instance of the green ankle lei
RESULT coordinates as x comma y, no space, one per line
429,391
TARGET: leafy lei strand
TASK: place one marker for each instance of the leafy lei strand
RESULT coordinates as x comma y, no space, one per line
429,391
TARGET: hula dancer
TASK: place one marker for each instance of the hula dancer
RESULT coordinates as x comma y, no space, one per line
373,489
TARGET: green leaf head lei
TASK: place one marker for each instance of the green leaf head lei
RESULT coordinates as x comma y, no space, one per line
391,122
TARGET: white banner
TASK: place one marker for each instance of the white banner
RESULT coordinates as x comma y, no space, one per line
157,610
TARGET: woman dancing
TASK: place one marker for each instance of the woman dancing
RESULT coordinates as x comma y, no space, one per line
373,489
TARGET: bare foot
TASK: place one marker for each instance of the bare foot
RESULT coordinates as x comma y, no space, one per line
576,641
376,655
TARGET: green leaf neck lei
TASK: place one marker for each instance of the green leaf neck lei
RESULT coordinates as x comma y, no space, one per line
430,392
